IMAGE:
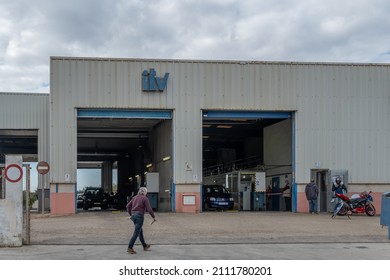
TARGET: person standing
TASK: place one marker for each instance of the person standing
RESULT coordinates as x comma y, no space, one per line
339,188
268,197
137,208
286,192
311,191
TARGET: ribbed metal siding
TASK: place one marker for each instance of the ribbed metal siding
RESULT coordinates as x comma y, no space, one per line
250,87
23,111
342,111
187,96
343,121
27,111
79,83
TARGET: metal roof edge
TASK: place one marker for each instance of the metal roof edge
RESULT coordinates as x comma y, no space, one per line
25,93
241,62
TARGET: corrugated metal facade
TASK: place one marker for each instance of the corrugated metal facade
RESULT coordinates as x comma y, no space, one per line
28,111
24,110
341,122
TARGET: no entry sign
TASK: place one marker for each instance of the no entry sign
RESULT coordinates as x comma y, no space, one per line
13,173
43,167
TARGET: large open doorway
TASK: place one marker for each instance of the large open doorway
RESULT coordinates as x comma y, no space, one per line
126,145
237,145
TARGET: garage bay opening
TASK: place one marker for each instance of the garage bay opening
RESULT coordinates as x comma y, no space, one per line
249,153
130,148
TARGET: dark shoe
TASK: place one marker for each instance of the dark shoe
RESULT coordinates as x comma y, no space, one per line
147,247
131,251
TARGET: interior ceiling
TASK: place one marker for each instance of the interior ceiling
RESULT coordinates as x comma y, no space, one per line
114,137
224,133
102,139
19,142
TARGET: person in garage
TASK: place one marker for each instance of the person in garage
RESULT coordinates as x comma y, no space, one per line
286,193
311,191
137,207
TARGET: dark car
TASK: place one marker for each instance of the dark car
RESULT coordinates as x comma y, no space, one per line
80,200
216,197
94,197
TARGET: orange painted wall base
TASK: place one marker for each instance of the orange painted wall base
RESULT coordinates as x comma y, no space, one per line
62,199
188,202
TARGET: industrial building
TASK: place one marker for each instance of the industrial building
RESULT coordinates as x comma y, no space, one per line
174,125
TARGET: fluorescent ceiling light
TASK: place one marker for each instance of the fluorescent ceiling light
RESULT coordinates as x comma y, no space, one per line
224,126
166,158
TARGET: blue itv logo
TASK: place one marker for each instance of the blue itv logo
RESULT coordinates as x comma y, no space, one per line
152,83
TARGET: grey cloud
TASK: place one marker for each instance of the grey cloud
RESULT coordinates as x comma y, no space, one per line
307,30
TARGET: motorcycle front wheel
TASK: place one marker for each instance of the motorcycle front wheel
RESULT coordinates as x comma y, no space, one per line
343,211
370,209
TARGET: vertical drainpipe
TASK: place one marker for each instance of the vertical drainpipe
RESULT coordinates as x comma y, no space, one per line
173,189
75,197
173,197
294,192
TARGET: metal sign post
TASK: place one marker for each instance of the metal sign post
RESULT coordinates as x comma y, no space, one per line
43,168
28,239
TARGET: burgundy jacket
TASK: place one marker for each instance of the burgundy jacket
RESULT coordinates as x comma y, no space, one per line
139,204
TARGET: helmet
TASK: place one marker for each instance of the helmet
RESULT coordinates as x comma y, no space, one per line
338,180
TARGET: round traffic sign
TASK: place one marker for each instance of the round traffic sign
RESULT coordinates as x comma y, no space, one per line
13,173
43,167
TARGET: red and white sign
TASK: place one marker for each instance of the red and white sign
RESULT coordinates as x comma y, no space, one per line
43,167
13,173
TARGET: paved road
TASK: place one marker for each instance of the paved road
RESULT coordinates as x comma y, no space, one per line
305,251
97,235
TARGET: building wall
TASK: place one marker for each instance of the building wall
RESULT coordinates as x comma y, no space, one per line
28,111
278,157
278,148
62,199
161,139
342,121
341,111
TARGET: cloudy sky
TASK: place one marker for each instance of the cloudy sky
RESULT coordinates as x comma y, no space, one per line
263,30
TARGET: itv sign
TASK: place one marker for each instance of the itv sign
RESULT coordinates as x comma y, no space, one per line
152,83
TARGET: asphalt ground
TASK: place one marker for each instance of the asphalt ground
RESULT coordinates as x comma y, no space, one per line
104,235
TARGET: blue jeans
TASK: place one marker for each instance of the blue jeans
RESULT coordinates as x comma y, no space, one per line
138,221
313,205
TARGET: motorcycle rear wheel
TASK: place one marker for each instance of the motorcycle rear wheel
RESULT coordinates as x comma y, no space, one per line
343,211
370,210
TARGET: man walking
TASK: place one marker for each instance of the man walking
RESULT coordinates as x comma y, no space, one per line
311,191
136,208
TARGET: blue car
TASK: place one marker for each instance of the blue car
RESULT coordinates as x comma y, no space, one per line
216,197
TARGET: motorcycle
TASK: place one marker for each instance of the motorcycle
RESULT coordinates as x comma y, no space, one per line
356,204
